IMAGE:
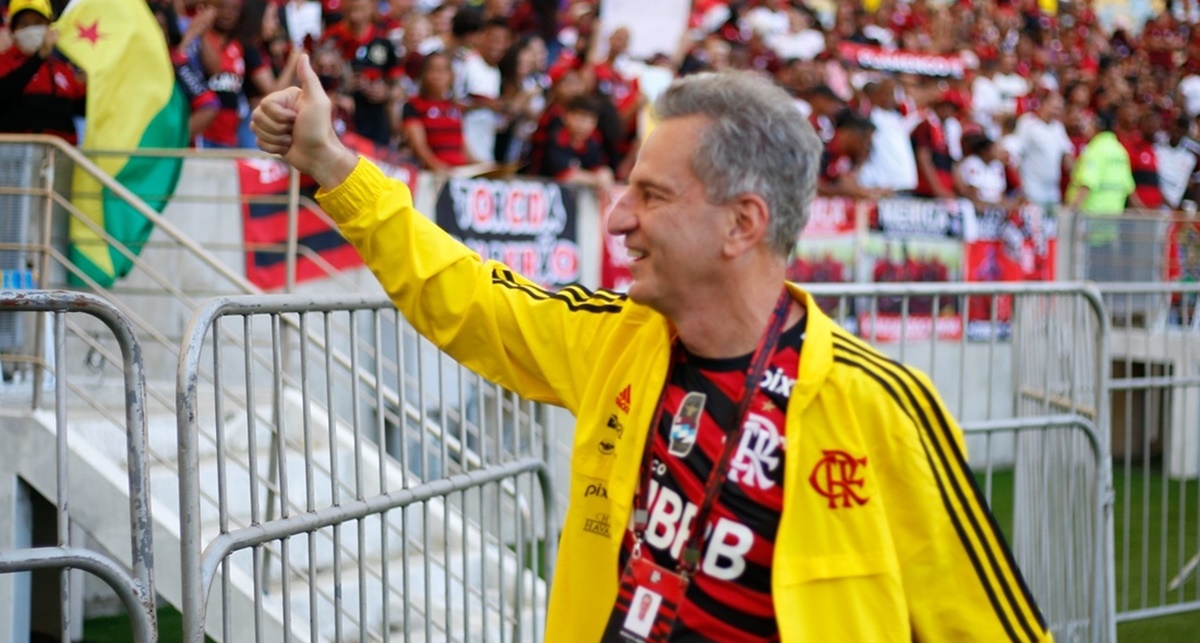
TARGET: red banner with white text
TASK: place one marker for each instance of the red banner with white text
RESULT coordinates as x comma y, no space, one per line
902,62
1010,245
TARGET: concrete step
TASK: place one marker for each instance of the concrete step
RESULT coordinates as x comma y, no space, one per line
99,497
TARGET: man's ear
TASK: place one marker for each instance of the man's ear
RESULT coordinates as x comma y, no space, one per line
749,221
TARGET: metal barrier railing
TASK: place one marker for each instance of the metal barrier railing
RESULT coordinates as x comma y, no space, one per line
136,591
1026,382
1058,540
477,458
1143,246
1155,392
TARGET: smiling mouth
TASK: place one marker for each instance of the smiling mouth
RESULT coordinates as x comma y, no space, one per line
636,255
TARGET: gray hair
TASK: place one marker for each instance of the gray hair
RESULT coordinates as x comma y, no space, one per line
758,143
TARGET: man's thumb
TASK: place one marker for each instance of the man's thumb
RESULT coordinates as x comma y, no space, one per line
310,84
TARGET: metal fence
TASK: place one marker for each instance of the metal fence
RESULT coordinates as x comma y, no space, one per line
1155,393
450,538
1021,367
347,481
135,590
1142,246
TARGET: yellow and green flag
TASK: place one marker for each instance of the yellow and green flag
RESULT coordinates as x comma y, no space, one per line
132,102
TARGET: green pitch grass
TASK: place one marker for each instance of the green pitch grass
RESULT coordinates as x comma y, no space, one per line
1161,530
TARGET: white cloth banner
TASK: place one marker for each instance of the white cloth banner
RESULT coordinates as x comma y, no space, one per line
654,27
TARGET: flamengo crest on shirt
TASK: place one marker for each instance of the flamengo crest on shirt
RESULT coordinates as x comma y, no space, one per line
757,456
836,476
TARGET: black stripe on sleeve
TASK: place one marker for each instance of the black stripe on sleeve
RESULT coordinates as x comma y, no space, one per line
954,518
981,503
965,471
572,299
582,294
875,364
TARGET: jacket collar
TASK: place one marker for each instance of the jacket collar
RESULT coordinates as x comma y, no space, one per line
816,357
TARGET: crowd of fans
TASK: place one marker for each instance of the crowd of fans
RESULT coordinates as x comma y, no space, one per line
530,86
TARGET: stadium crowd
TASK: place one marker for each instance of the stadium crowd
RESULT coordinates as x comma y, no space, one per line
530,86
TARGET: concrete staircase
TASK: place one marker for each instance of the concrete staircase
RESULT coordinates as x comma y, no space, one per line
448,576
440,562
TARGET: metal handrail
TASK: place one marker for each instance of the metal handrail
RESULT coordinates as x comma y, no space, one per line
83,162
187,382
137,439
178,237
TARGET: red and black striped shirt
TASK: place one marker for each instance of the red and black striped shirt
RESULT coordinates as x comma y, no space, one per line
1143,163
442,120
729,598
930,134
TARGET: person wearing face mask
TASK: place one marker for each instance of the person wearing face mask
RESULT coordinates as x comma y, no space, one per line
40,92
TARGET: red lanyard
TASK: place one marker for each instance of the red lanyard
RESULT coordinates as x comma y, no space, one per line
720,471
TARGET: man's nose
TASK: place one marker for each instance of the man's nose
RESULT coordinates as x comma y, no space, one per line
620,216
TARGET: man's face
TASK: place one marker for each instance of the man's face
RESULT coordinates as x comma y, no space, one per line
884,95
673,233
1052,108
826,106
1008,63
1127,115
359,12
580,123
618,42
1150,123
493,44
945,110
442,19
1177,130
229,12
857,144
569,86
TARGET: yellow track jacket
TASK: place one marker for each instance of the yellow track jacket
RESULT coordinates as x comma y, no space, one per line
883,536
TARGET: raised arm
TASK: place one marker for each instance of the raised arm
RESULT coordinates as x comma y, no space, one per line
538,343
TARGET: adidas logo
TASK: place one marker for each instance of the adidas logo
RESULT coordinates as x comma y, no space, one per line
623,399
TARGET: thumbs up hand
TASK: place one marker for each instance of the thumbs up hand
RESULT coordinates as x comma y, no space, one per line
297,124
